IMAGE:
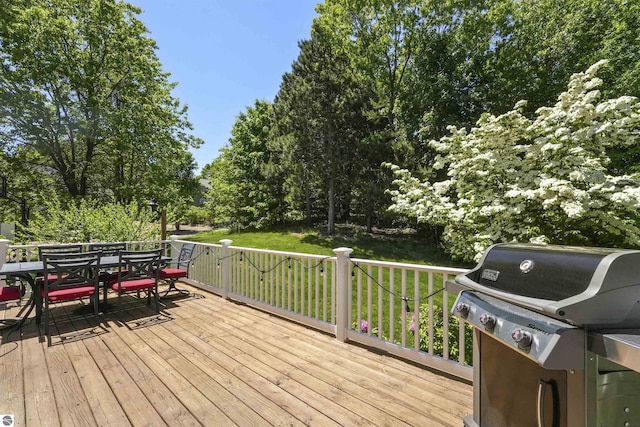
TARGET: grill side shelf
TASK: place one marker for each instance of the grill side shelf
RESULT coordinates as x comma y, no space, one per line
622,348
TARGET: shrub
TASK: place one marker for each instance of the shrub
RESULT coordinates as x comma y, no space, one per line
92,220
438,334
197,215
512,178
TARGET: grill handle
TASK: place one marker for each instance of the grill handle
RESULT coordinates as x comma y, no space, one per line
542,388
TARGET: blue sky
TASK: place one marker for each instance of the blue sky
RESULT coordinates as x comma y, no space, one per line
225,54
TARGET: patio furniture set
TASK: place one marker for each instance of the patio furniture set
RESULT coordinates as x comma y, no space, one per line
66,272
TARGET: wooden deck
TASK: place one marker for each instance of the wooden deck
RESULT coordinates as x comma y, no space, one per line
208,361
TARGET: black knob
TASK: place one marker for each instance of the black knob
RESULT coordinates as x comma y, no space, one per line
488,321
523,338
463,308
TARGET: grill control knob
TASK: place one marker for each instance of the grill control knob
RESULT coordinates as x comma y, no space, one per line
488,321
463,308
523,338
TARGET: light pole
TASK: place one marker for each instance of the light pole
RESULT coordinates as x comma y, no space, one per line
163,218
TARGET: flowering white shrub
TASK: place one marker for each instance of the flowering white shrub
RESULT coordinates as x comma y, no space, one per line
546,180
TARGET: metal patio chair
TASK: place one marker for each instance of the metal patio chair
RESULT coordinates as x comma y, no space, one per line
138,271
181,269
108,276
71,276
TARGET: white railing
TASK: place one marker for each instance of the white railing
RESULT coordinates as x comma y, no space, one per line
402,309
370,302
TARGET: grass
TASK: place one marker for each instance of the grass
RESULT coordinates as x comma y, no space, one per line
394,246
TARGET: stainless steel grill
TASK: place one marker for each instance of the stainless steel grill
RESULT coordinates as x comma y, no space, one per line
548,322
583,286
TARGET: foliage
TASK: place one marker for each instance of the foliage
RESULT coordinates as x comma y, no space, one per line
23,182
87,111
363,327
515,179
243,192
92,221
84,100
377,80
177,210
322,86
197,215
438,333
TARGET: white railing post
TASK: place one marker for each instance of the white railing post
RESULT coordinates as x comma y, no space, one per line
342,294
173,239
225,264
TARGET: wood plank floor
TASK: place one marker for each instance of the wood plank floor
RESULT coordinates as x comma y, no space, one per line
208,361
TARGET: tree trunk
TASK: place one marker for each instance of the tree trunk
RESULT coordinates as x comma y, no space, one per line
332,207
307,201
307,197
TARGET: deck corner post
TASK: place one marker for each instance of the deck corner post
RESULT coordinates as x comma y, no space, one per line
342,294
173,244
225,264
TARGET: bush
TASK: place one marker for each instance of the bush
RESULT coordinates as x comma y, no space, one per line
92,220
197,215
512,178
438,334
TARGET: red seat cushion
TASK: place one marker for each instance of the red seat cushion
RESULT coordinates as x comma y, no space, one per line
134,285
69,293
9,293
172,273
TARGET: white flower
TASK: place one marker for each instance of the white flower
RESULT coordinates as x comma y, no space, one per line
512,179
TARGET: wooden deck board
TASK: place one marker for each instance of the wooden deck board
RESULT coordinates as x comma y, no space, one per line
193,399
207,361
290,362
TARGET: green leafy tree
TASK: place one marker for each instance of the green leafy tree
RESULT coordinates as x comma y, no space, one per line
379,38
291,142
240,179
537,45
511,178
319,109
82,88
220,197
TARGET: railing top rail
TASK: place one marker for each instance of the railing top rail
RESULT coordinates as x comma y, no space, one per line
283,253
32,245
146,241
400,265
208,245
35,245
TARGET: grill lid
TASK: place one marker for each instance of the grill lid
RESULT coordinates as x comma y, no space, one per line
580,285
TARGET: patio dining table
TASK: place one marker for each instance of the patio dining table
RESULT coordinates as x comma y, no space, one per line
29,270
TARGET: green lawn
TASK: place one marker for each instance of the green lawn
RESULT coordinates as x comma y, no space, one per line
399,247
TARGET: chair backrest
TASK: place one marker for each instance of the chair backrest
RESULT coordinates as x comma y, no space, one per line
186,253
108,249
139,264
58,249
71,269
